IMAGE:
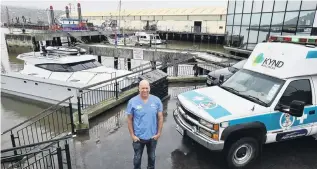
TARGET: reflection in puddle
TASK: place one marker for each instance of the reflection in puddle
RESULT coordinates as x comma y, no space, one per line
109,126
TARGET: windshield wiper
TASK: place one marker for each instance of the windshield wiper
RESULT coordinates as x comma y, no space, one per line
230,89
255,98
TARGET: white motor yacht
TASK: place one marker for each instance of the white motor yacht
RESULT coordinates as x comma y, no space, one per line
51,78
144,38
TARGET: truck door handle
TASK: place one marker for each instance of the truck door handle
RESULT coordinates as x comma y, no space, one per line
311,112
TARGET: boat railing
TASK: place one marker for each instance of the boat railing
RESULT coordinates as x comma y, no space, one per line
95,74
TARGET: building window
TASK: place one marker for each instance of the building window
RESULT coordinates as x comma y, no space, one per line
244,36
221,17
306,18
280,5
239,6
293,5
255,20
268,6
236,30
309,5
231,7
252,21
230,19
237,19
257,6
220,27
266,19
246,19
229,30
247,6
291,19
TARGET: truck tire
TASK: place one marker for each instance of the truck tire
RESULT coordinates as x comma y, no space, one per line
242,152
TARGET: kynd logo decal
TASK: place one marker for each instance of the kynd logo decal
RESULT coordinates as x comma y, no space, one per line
258,59
267,62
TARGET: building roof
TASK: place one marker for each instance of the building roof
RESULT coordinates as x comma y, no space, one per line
167,11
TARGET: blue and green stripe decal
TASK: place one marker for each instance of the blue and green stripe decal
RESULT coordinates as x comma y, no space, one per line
214,110
311,55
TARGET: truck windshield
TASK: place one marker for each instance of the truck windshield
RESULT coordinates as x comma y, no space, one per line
256,87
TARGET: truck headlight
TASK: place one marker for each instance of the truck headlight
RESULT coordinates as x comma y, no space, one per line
209,125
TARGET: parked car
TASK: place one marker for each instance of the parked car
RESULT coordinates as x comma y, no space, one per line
214,76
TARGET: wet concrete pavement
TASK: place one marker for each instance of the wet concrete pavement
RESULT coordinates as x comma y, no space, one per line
109,146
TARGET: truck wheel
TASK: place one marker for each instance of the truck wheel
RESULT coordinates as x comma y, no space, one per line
242,152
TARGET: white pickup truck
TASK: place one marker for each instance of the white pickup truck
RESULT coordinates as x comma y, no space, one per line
273,98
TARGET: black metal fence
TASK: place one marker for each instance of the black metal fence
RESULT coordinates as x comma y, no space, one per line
54,122
56,155
109,90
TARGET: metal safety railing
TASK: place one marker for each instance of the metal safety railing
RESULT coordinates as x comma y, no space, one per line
109,90
53,122
56,155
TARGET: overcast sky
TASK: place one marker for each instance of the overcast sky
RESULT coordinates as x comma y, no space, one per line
111,5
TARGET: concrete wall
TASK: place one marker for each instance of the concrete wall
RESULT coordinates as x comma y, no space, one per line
23,41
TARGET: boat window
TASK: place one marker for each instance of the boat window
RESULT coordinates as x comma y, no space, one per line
97,63
56,68
44,66
77,67
70,67
89,65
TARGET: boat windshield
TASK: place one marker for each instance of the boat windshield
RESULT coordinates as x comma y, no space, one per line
253,86
70,67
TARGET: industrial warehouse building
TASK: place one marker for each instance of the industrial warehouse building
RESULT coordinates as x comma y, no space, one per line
204,20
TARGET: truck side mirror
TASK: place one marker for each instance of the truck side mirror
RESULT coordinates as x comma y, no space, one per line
297,108
221,79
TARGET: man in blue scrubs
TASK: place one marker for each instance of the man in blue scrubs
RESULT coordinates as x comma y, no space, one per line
145,122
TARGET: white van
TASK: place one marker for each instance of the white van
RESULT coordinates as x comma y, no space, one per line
272,98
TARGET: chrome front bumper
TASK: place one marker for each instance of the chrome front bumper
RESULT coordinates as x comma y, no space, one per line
195,135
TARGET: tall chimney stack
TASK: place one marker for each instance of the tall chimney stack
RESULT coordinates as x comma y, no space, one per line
79,12
52,15
67,12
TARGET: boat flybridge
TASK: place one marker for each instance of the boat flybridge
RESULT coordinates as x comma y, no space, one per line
52,77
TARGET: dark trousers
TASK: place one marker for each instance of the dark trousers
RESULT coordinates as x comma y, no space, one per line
138,151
